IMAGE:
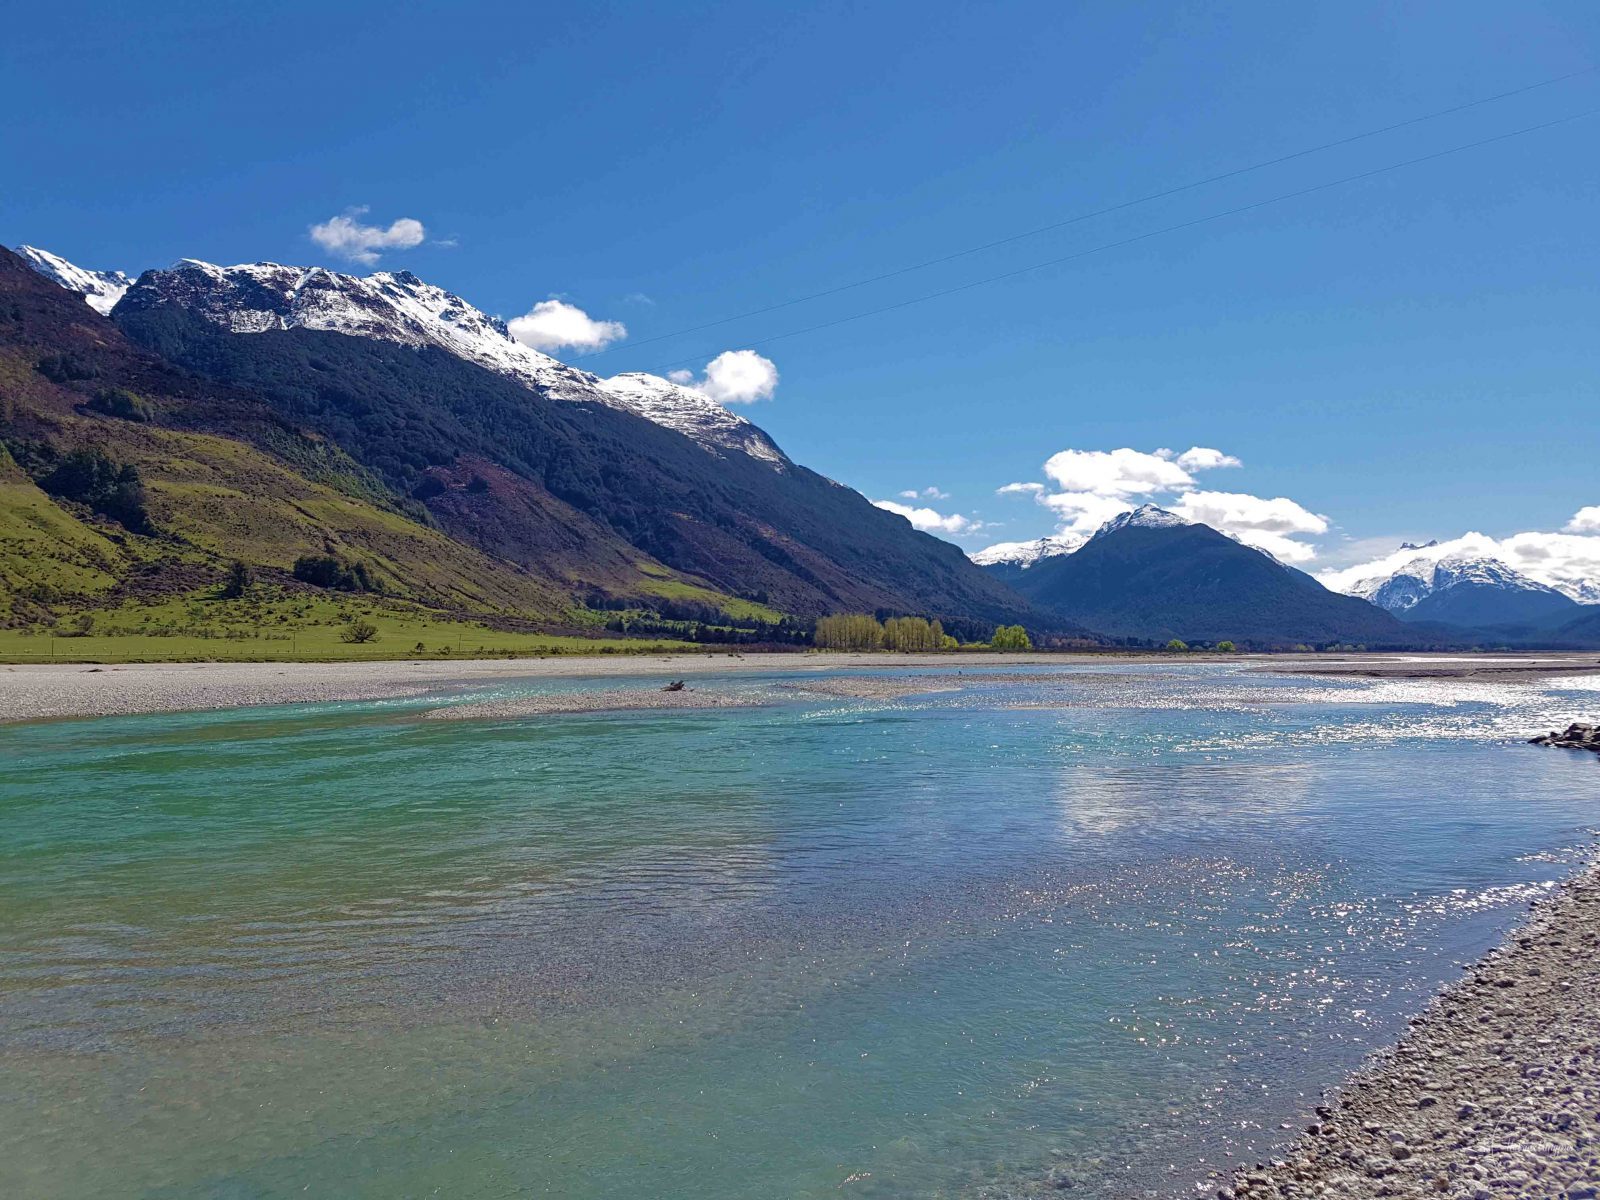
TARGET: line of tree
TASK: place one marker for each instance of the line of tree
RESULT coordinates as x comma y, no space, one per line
863,631
848,631
913,634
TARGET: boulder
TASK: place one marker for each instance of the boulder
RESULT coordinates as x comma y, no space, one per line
1574,737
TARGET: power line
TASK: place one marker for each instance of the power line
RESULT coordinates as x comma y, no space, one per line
1099,212
1141,237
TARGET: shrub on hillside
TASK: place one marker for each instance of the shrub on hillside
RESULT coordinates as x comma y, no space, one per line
110,488
119,402
328,571
65,368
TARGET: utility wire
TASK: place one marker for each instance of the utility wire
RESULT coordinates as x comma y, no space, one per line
1099,212
1141,237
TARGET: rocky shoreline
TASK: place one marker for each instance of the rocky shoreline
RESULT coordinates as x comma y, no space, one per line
1494,1092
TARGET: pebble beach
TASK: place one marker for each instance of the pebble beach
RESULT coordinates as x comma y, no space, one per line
1494,1092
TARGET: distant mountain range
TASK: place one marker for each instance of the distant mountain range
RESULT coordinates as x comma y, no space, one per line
1479,594
273,412
1463,590
1150,575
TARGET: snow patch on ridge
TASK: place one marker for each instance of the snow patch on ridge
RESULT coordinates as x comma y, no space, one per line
1026,554
397,306
101,289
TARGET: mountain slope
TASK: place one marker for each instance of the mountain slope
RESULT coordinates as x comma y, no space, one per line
262,492
549,476
1157,580
430,424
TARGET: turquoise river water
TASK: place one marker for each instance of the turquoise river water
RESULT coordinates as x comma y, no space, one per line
1111,926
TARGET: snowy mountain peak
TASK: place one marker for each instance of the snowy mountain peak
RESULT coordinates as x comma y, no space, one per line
1422,577
1025,554
102,289
1146,516
1424,546
397,306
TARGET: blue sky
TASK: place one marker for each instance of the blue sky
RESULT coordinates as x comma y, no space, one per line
1410,356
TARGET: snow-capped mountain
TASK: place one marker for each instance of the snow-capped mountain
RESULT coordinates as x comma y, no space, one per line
102,289
1464,589
397,306
1023,555
1146,516
1567,562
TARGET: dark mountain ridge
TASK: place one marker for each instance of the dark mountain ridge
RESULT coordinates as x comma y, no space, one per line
1190,582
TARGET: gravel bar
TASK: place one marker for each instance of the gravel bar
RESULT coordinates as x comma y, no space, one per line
620,700
1494,1092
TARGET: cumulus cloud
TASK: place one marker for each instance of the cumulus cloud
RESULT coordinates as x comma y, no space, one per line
1585,520
348,237
740,377
1122,472
733,377
1202,458
1272,525
1567,561
927,493
929,521
1084,512
1019,489
554,324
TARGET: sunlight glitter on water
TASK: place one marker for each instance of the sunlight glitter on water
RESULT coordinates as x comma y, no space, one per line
959,944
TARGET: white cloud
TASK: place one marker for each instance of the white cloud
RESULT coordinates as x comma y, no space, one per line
347,237
1121,472
927,493
1585,520
1084,512
1201,458
553,324
929,521
739,377
1568,561
1271,525
735,377
1018,489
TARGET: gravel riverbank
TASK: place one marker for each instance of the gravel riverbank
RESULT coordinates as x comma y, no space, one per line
1494,1092
45,691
